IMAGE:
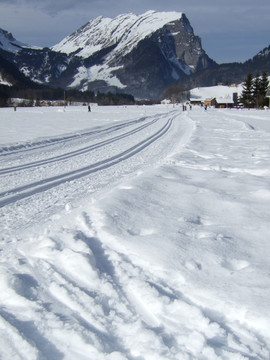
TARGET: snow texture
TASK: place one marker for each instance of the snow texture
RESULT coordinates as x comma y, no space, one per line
96,72
219,91
124,31
4,82
134,233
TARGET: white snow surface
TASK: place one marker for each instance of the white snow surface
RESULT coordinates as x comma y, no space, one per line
218,91
125,30
3,81
134,233
96,72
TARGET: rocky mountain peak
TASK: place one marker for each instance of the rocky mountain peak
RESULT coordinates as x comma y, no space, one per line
154,48
9,43
125,31
139,54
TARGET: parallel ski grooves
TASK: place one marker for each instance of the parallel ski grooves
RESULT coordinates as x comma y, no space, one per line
46,184
18,148
76,152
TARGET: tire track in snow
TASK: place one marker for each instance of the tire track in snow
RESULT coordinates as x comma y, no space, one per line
28,190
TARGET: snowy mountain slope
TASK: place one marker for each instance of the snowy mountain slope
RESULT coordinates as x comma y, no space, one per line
26,65
159,252
141,55
9,46
138,54
124,32
4,81
136,49
9,43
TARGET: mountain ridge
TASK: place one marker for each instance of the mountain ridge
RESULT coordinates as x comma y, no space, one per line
125,29
167,36
138,54
229,73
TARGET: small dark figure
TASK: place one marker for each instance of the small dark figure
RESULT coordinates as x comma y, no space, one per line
89,108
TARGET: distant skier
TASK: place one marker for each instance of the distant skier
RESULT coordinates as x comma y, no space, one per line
89,108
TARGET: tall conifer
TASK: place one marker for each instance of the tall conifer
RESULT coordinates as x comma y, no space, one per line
247,94
263,88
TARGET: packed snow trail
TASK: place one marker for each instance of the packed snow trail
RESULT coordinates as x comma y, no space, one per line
72,165
162,255
29,189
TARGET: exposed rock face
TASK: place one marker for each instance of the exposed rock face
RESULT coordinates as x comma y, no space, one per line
161,59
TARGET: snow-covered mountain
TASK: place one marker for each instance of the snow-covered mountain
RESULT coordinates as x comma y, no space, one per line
9,43
141,55
9,50
122,33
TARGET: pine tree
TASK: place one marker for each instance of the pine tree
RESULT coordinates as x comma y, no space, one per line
257,95
247,94
263,88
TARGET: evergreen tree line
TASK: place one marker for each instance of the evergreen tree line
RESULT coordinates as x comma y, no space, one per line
34,96
254,91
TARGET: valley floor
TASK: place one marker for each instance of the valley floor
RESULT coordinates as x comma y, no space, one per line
134,233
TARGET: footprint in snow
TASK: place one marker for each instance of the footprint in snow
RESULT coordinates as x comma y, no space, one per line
235,265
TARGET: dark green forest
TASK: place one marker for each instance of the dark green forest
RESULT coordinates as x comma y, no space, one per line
36,95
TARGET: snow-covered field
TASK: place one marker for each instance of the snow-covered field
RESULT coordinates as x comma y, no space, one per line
134,233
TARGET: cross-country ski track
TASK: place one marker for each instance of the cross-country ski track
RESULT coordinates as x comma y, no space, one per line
45,184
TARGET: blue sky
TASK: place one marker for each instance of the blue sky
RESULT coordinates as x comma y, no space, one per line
230,30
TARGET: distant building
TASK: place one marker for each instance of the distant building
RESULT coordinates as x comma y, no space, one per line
45,103
223,103
209,101
195,101
227,101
